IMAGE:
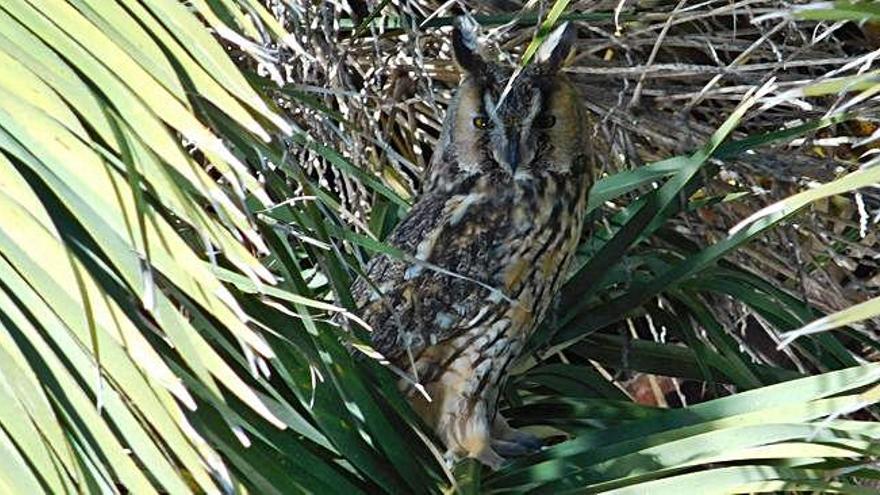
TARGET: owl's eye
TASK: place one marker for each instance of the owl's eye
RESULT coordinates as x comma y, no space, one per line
481,123
545,121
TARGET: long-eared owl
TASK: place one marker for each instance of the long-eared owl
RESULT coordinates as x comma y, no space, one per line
489,241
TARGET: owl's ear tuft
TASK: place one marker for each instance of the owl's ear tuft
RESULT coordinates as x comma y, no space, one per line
465,45
556,47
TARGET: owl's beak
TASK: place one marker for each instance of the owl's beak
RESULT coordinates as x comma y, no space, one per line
511,155
509,152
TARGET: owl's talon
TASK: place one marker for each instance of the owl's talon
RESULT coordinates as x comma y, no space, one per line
502,431
510,449
491,458
519,441
529,441
449,459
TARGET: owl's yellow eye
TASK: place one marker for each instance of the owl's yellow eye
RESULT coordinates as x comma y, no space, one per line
545,121
481,123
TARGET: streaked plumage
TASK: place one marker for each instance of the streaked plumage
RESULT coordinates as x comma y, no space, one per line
502,210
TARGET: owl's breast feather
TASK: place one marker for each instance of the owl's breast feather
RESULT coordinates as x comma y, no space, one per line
493,250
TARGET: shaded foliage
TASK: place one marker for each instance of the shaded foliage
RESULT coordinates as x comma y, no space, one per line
183,208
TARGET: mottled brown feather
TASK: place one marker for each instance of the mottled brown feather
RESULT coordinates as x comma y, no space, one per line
506,229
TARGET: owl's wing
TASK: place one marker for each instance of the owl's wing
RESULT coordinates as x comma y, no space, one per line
414,306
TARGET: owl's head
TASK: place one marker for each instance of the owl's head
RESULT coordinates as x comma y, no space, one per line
522,127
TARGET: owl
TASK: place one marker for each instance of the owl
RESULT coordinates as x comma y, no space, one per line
488,244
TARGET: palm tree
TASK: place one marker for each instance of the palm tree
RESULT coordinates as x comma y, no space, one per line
181,215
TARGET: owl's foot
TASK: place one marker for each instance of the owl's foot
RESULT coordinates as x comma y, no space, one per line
510,442
476,442
491,458
510,449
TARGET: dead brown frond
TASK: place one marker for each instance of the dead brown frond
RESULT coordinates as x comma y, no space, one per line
371,80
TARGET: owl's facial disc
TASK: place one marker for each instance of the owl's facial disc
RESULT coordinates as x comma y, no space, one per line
523,127
511,137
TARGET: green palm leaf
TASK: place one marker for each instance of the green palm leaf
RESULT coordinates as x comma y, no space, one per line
174,320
